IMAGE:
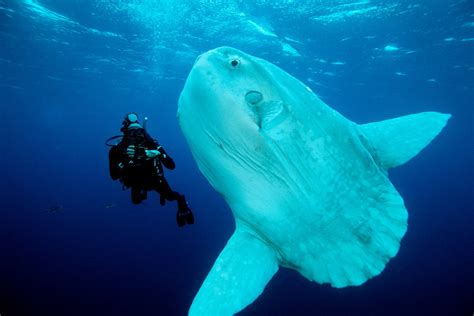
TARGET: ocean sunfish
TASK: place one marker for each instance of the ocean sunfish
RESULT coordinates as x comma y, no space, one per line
308,188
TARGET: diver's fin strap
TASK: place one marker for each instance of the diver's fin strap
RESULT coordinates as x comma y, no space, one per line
396,141
237,278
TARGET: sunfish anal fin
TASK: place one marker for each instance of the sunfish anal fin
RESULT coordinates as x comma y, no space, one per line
238,277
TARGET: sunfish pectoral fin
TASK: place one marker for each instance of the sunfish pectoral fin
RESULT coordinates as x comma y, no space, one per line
270,114
396,141
237,278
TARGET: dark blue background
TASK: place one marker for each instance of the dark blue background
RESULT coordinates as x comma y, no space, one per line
87,259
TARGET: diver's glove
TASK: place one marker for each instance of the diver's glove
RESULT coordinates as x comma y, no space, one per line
152,153
131,151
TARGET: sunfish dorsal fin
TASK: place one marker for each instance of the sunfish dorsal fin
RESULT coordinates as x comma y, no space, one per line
237,278
397,140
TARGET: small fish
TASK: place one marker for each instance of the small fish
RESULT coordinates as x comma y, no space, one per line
55,208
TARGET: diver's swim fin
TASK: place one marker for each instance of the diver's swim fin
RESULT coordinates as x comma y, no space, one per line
184,217
180,219
189,218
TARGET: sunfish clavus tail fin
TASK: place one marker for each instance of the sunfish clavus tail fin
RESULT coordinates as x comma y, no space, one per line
397,140
238,277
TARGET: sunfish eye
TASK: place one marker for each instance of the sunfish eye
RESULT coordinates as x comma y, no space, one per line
234,62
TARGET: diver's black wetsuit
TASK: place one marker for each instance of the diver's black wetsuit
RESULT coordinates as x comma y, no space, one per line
142,174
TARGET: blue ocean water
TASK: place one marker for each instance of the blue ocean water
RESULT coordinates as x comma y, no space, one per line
71,242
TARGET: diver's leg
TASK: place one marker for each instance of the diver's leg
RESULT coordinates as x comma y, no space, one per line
138,194
164,189
184,215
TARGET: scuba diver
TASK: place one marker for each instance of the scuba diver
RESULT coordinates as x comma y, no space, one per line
138,160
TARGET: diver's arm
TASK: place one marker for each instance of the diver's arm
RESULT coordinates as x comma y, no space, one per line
167,161
159,152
